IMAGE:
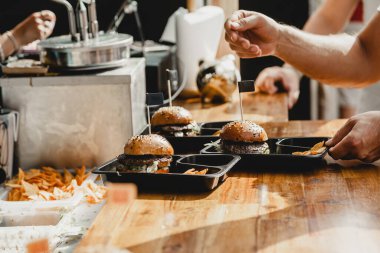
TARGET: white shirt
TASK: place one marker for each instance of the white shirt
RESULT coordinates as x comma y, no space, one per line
370,97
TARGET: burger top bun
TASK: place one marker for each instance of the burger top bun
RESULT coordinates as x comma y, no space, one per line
174,115
152,144
243,131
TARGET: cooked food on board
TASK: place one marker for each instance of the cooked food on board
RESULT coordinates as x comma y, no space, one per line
317,149
147,154
174,121
48,184
244,137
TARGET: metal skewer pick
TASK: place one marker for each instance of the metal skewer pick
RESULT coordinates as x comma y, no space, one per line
245,86
153,99
171,76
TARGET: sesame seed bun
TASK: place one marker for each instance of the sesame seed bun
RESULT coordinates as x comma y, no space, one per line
174,115
243,131
152,144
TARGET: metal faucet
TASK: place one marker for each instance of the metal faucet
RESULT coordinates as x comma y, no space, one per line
82,20
72,20
93,19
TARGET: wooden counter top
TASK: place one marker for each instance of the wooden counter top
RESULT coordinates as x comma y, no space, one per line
258,107
329,209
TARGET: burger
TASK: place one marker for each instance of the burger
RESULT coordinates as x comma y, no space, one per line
174,121
244,137
147,154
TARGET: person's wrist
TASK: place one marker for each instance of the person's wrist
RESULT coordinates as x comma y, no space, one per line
17,34
282,30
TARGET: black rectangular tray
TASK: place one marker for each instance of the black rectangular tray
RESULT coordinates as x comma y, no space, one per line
280,155
207,129
188,144
210,128
218,165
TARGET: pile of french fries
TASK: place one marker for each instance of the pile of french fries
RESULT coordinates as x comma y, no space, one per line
47,184
317,149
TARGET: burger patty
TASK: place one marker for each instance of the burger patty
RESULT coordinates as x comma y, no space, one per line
191,129
129,160
245,147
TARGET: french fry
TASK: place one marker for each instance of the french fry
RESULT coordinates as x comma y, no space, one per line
196,172
317,149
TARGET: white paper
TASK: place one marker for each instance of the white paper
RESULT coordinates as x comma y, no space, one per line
198,34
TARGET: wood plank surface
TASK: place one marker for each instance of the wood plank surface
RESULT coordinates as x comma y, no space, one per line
256,106
334,208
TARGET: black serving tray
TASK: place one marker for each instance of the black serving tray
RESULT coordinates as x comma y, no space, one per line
217,164
188,144
209,128
280,155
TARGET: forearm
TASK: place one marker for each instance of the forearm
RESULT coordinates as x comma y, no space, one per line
7,45
340,60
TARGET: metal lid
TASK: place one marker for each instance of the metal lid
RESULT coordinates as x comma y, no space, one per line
65,44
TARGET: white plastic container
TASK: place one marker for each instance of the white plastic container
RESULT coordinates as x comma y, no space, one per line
17,229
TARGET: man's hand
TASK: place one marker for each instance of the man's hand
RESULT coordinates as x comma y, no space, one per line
38,25
359,138
288,78
252,34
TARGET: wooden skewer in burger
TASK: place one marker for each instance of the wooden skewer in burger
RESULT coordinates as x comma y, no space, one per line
244,136
174,120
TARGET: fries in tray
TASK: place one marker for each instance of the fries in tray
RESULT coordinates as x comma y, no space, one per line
47,184
317,149
196,172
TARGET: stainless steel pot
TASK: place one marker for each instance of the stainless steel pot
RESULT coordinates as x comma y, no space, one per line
108,50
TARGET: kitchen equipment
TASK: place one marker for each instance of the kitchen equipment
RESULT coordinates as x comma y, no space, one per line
217,165
70,121
87,50
9,127
217,80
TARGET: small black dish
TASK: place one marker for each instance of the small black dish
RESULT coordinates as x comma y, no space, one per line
187,144
210,128
279,157
218,165
296,144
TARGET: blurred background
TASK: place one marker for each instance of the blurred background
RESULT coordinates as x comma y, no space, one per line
154,17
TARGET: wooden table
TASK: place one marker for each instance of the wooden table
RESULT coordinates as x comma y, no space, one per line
258,107
330,209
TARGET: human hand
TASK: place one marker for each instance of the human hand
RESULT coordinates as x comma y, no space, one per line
37,26
288,77
359,138
252,34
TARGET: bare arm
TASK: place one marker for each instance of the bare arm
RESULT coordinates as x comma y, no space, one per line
342,60
331,17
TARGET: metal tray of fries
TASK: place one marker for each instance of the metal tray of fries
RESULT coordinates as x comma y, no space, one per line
187,173
285,153
44,189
